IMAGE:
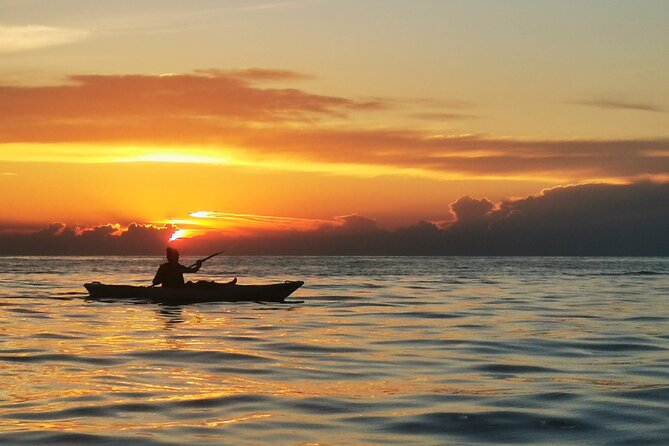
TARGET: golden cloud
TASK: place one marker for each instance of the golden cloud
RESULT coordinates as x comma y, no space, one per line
29,37
226,117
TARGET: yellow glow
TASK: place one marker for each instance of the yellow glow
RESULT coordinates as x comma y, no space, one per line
245,221
166,193
200,214
102,154
161,157
28,37
231,156
657,153
179,234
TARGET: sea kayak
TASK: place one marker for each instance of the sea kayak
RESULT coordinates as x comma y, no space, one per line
196,292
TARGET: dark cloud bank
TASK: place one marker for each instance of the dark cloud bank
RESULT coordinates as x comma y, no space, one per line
595,219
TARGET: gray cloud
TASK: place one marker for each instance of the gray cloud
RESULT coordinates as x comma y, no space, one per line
623,105
468,210
61,239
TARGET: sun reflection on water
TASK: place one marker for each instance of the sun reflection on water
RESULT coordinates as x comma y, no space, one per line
360,354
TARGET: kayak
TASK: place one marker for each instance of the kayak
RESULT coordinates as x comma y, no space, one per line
196,292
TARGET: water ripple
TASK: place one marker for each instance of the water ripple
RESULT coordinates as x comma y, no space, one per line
192,356
418,351
500,426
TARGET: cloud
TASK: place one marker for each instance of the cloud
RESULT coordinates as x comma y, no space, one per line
428,109
564,160
276,5
29,37
595,218
442,116
469,211
356,224
59,238
589,219
614,104
205,100
254,222
434,103
229,115
258,74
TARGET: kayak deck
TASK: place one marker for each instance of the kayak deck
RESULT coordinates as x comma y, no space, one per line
196,292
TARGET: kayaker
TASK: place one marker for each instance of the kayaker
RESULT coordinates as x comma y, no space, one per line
171,274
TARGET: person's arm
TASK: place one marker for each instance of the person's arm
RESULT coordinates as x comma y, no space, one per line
193,269
159,276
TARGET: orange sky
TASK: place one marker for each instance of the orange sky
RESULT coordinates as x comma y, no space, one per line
352,119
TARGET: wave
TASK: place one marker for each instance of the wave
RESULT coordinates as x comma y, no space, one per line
47,437
619,274
63,358
196,356
490,426
387,356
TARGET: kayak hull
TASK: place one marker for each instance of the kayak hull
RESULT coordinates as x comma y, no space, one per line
196,292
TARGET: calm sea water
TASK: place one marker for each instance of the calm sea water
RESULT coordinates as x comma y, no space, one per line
371,350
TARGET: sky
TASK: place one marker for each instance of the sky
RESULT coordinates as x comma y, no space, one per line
323,126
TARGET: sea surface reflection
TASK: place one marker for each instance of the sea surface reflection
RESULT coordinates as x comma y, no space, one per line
371,350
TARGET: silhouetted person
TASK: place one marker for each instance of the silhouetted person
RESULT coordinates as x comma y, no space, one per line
171,274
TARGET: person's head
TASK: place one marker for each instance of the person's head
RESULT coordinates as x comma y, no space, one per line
172,255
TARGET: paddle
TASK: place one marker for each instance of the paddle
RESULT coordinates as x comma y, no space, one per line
199,261
207,258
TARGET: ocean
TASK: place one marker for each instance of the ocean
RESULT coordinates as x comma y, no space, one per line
371,350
